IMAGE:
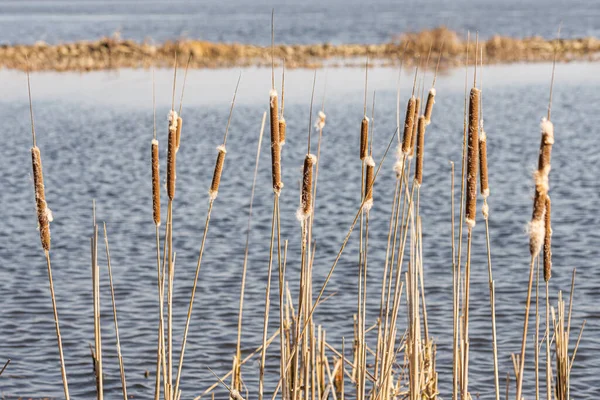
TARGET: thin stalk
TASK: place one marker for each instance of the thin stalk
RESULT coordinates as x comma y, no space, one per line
114,307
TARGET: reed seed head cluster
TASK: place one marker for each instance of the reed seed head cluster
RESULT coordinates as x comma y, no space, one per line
472,158
43,212
172,154
364,138
537,224
155,183
216,180
275,143
408,125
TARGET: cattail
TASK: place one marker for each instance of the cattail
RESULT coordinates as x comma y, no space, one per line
408,125
483,167
307,181
171,154
420,150
537,225
548,242
364,138
282,128
216,180
155,183
413,138
275,143
43,212
369,178
179,124
472,158
429,105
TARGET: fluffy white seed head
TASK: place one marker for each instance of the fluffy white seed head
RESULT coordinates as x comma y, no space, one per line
172,120
369,161
222,149
368,205
537,231
321,122
547,129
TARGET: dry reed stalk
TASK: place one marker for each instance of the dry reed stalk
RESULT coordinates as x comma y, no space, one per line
420,151
457,363
536,227
96,307
114,307
282,124
236,376
212,196
471,213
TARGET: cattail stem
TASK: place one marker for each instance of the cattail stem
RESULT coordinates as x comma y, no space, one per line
114,307
63,371
472,158
525,326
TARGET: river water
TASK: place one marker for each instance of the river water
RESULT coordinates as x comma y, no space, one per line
94,131
308,21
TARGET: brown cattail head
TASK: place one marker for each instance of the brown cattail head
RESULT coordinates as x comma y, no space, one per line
537,224
282,128
364,138
216,180
408,125
413,139
155,183
369,178
307,181
472,158
172,154
420,150
43,212
483,167
179,125
275,143
548,241
429,105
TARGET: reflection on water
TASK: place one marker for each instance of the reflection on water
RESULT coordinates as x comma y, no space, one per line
94,131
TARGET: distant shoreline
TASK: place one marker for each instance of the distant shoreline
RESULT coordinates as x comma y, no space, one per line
114,53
